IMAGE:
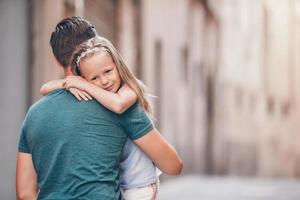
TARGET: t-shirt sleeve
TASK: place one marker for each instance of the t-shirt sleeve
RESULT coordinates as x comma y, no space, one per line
23,144
136,122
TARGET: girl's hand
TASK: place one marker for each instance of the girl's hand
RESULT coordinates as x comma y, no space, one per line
75,82
79,94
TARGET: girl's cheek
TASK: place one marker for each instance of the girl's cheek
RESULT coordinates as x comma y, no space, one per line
112,76
107,76
94,82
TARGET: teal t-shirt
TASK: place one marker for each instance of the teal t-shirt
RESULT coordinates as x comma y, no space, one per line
76,145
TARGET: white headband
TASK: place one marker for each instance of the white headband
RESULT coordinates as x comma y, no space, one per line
85,53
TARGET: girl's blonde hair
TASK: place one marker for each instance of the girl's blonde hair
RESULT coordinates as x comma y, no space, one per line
100,44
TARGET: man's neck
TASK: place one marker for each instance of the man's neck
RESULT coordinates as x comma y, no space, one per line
68,71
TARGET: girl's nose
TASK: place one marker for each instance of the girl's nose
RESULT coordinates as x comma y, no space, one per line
104,81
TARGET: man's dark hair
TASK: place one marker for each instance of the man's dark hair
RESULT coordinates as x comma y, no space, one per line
69,33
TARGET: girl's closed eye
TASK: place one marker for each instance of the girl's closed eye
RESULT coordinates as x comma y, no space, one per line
108,71
94,78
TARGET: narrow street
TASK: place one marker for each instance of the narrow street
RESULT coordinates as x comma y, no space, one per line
229,188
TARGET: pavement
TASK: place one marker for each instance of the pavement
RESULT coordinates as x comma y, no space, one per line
228,188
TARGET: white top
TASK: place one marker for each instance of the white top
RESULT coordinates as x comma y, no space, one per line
136,169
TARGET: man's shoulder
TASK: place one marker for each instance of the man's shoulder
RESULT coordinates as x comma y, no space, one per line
60,100
134,111
45,100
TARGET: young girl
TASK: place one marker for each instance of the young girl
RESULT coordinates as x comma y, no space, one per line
105,77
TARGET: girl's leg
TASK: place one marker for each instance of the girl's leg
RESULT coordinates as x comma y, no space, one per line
145,193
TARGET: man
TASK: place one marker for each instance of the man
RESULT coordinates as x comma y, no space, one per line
70,149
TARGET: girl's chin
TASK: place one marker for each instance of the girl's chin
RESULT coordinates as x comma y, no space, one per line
111,89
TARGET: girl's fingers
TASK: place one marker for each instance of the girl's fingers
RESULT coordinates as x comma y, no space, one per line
75,94
79,94
87,95
82,95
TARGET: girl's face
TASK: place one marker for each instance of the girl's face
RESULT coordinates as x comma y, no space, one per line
102,71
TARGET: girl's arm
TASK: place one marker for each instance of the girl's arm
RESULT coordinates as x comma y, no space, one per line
59,84
52,85
116,102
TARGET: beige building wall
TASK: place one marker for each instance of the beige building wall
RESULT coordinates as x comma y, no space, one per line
238,85
45,15
129,34
257,83
103,14
172,67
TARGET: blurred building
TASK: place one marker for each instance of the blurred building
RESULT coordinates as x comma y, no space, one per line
226,75
256,113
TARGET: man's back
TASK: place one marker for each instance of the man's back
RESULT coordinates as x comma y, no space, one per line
75,147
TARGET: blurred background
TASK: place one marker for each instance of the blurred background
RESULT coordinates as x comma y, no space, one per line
226,73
